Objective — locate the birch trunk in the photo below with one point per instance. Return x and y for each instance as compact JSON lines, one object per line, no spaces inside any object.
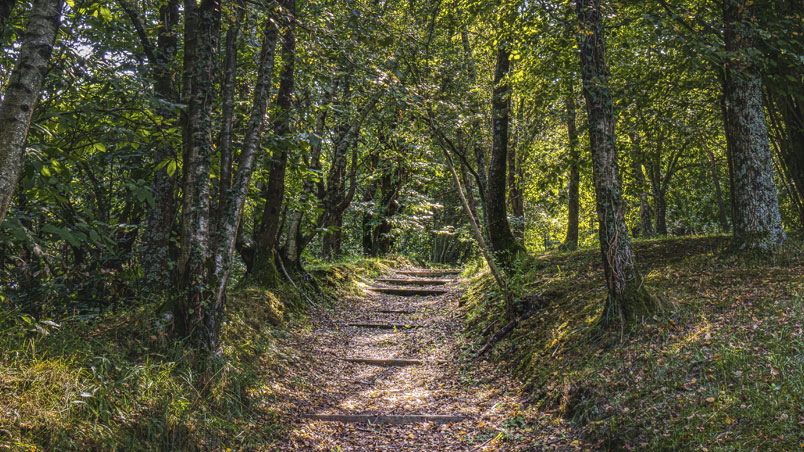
{"x":22,"y":93}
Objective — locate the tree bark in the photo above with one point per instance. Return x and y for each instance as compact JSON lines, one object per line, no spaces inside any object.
{"x":757,"y":221}
{"x":502,"y":241}
{"x":22,"y":93}
{"x":264,"y":268}
{"x":198,"y":311}
{"x":627,"y":297}
{"x":573,"y":210}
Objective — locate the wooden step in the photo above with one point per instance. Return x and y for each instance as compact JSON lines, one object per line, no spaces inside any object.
{"x":395,"y":311}
{"x":383,"y":326}
{"x":385,"y":362}
{"x":413,"y":282}
{"x":386,"y":419}
{"x":428,"y":273}
{"x":407,"y":291}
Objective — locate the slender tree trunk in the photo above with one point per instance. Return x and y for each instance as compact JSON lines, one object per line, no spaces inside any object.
{"x":571,"y":241}
{"x":721,"y":206}
{"x":488,"y":254}
{"x":198,"y":316}
{"x":266,"y":247}
{"x":515,"y":182}
{"x":660,"y":206}
{"x":336,"y":199}
{"x":627,"y":297}
{"x":227,"y":113}
{"x":295,"y":243}
{"x":474,"y":139}
{"x":502,"y":241}
{"x":23,"y":91}
{"x":645,"y":212}
{"x":757,"y":221}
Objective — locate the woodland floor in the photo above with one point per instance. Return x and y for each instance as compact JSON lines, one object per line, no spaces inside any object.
{"x":318,"y":381}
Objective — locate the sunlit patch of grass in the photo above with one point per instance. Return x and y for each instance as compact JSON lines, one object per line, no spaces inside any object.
{"x":723,"y":371}
{"x":345,"y":275}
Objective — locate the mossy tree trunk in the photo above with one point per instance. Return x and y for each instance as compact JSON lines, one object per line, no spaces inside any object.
{"x":627,"y":297}
{"x":756,"y":218}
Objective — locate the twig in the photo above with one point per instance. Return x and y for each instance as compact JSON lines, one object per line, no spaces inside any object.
{"x":506,"y":330}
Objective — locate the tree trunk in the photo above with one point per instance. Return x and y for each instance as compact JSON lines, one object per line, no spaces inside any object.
{"x":198,"y":310}
{"x":627,"y":297}
{"x":660,"y":206}
{"x":502,"y":241}
{"x":336,"y":199}
{"x":721,"y":206}
{"x":156,"y":255}
{"x":227,"y":112}
{"x":264,"y":268}
{"x":296,"y":242}
{"x":786,"y":115}
{"x":475,"y":141}
{"x":757,"y":221}
{"x":571,"y":241}
{"x":645,"y":212}
{"x":235,"y":196}
{"x":23,"y":91}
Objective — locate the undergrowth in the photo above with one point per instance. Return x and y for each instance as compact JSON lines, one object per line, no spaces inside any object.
{"x":723,"y":371}
{"x":119,"y":382}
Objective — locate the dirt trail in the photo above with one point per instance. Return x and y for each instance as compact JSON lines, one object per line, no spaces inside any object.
{"x":336,"y":384}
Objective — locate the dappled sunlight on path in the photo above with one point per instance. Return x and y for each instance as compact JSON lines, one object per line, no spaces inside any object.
{"x":439,"y":402}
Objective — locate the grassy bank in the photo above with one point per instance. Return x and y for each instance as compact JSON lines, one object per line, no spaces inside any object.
{"x":119,"y":382}
{"x":724,"y":370}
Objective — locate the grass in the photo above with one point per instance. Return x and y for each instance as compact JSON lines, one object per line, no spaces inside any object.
{"x":118,"y":382}
{"x":723,"y":371}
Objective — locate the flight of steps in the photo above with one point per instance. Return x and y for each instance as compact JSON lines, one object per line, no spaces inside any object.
{"x":403,"y":283}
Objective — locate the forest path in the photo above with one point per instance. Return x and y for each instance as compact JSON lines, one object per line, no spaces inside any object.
{"x":362,"y":389}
